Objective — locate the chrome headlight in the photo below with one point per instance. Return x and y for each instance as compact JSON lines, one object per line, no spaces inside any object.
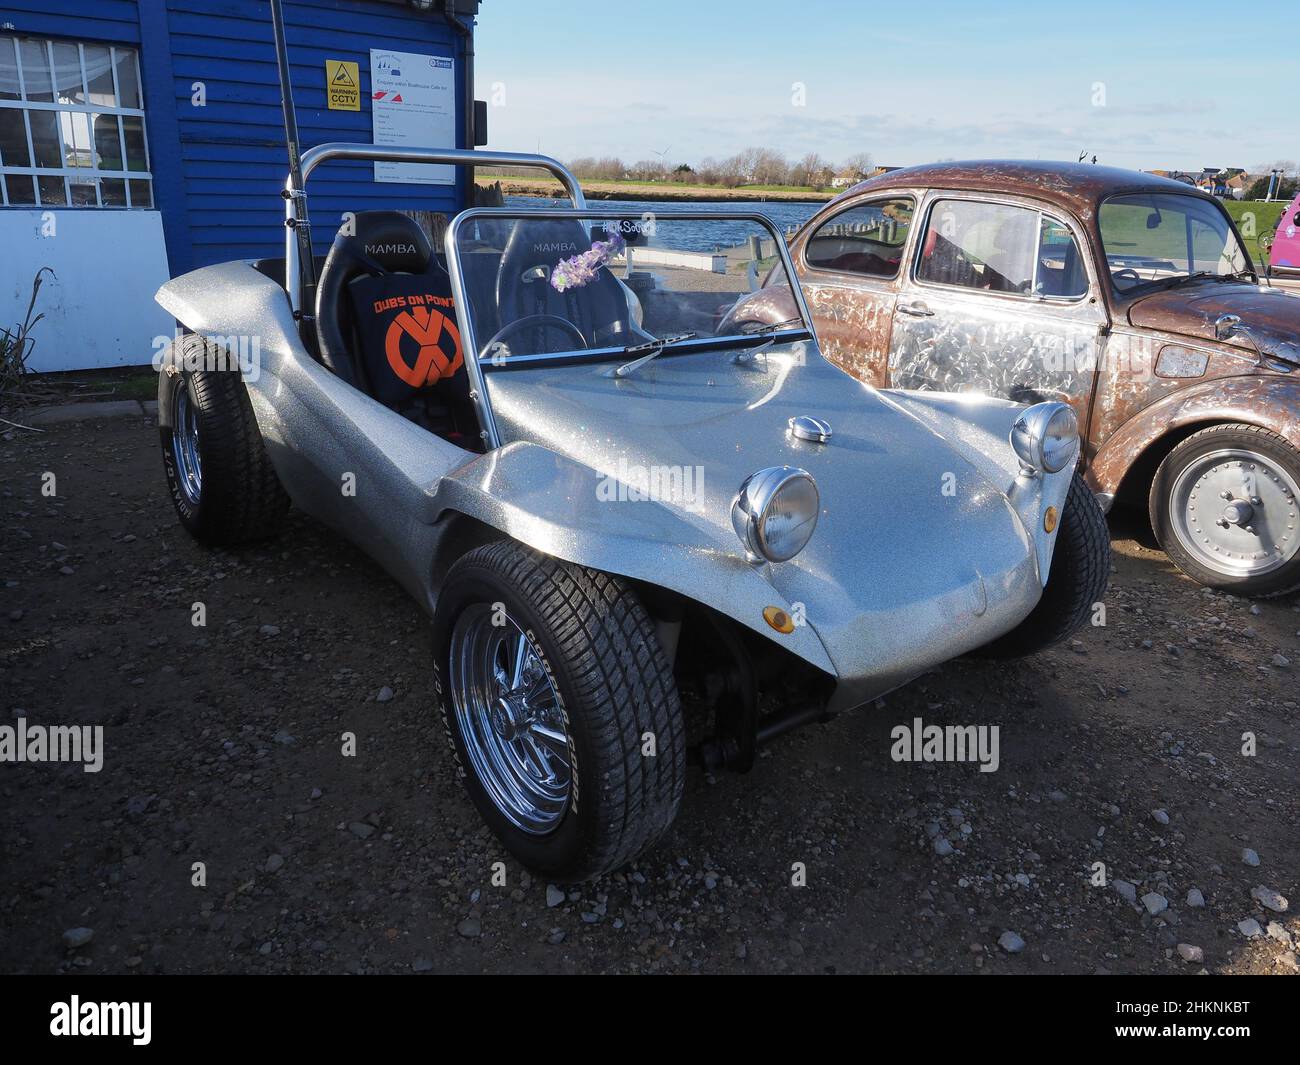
{"x":1046,"y":437}
{"x":775,"y":513}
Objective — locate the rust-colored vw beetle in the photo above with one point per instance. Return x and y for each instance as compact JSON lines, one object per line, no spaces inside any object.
{"x":1129,"y":296}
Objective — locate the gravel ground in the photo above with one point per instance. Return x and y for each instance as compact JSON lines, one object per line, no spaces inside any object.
{"x":222,"y":745}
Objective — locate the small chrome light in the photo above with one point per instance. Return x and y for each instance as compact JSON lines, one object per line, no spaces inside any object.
{"x":775,"y":513}
{"x":1046,"y":437}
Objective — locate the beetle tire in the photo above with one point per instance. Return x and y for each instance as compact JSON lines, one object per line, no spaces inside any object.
{"x":1077,"y":580}
{"x":1228,"y":436}
{"x":601,"y":653}
{"x":241,"y":498}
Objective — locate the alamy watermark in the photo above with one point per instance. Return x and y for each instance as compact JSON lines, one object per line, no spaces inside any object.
{"x":919,"y":742}
{"x":75,"y":1017}
{"x":242,"y":353}
{"x":680,"y":485}
{"x":53,"y":743}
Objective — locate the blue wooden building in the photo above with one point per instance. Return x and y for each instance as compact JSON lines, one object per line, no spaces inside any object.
{"x":142,"y":138}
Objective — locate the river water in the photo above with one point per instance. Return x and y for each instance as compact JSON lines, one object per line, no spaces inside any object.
{"x":785,"y":216}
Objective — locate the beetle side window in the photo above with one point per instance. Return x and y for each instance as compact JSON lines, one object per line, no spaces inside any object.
{"x":1000,"y":248}
{"x":867,"y":239}
{"x":980,"y":245}
{"x":1060,"y":266}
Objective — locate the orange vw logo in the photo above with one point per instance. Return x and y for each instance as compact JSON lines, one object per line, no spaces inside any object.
{"x":434,"y":334}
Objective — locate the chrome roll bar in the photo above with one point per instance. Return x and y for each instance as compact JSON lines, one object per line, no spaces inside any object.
{"x":295,"y":207}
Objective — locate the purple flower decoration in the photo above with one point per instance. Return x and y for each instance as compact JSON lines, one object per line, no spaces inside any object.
{"x":579,"y":270}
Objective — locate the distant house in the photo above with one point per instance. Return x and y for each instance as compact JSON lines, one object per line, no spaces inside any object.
{"x":1222,"y":181}
{"x":1217,"y":181}
{"x":851,"y":176}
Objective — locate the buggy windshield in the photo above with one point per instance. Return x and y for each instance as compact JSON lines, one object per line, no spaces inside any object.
{"x":543,"y":283}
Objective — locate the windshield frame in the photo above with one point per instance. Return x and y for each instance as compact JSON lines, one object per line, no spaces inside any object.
{"x":1146,"y":288}
{"x":469,"y":341}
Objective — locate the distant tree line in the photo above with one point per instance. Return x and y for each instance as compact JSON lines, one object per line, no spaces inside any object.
{"x":753,"y":166}
{"x":765,"y":166}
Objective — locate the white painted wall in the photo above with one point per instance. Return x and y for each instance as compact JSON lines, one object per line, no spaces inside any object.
{"x":99,"y":309}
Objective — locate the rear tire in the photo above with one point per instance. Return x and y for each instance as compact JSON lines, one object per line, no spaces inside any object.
{"x":218,"y":472}
{"x":591,"y":683}
{"x":1257,"y":553}
{"x":1077,"y":579}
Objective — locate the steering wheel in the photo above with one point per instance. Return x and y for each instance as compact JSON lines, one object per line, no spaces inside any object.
{"x":1127,"y":274}
{"x":535,"y":321}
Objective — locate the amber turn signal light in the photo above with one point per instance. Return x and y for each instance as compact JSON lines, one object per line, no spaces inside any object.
{"x":778,"y":619}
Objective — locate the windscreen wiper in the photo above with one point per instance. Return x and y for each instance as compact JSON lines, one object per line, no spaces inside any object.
{"x":1195,"y":275}
{"x":650,"y":349}
{"x":763,"y":329}
{"x":768,"y":332}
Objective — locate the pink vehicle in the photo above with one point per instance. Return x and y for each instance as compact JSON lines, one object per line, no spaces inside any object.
{"x":1284,"y":255}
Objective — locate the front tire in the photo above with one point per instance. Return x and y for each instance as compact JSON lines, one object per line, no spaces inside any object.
{"x":1076,"y":581}
{"x":552,"y":683}
{"x":220,"y":477}
{"x":1223,"y":506}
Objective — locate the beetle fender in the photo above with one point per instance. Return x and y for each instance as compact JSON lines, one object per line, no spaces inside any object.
{"x":1267,"y":400}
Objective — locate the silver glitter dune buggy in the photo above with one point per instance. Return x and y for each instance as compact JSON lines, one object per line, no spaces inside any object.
{"x":614,"y":495}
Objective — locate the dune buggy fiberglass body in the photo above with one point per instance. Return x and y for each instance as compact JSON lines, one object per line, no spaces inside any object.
{"x":613,"y":496}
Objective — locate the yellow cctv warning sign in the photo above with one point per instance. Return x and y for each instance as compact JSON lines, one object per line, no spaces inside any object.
{"x":342,"y":85}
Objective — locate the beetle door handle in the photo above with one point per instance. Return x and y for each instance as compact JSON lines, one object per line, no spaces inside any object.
{"x":916,"y":310}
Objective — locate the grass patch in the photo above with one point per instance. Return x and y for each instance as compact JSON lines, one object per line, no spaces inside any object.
{"x":785,"y":188}
{"x":137,"y":382}
{"x":1265,"y":219}
{"x":86,"y":386}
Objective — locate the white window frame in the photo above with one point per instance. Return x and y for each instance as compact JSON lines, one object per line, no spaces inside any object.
{"x":68,"y":173}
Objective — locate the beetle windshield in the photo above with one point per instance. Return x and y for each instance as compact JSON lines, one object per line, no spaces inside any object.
{"x":1163,"y":237}
{"x":551,"y":282}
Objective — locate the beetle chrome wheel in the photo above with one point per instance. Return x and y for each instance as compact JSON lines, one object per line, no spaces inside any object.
{"x":185,"y":445}
{"x":1234,"y":511}
{"x":510,"y":718}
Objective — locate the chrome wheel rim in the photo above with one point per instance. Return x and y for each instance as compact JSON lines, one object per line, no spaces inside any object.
{"x":510,"y":719}
{"x":1234,"y":511}
{"x":185,"y":444}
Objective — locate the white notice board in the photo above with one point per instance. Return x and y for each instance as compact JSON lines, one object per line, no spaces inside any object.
{"x":413,"y":103}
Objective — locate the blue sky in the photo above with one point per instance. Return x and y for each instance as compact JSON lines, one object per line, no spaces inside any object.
{"x":1141,"y":85}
